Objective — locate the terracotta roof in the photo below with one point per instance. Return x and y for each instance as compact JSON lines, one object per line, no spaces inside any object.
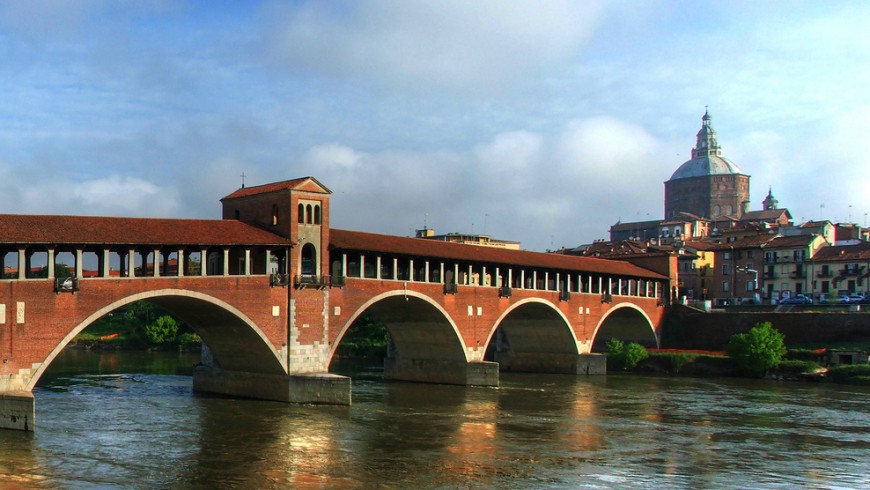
{"x":860,"y":251}
{"x":754,"y":241}
{"x":85,"y":230}
{"x":356,"y":240}
{"x":285,"y":185}
{"x":791,"y":241}
{"x":765,"y":215}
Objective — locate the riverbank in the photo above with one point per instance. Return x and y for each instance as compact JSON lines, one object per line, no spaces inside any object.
{"x":712,"y":364}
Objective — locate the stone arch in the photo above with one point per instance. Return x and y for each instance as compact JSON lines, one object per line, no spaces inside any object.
{"x":533,"y":335}
{"x":419,"y":327}
{"x":626,"y":322}
{"x":236,"y":341}
{"x":308,"y":264}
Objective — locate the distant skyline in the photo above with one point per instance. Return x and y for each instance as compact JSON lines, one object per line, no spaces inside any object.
{"x":543,"y":122}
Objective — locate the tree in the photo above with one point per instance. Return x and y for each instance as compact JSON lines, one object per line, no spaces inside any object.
{"x":757,"y":350}
{"x":622,"y":356}
{"x":162,"y":330}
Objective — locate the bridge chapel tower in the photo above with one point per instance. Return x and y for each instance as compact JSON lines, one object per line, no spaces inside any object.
{"x":297,"y":209}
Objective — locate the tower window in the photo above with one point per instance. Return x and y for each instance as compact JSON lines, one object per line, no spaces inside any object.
{"x":316,"y":214}
{"x":274,"y":214}
{"x":301,"y":214}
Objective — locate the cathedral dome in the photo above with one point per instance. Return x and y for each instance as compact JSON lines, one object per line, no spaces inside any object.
{"x":707,"y":156}
{"x":706,"y":165}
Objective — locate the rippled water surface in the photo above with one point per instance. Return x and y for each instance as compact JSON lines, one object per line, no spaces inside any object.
{"x":131,"y":420}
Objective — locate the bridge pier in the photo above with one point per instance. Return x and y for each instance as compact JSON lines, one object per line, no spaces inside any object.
{"x":17,"y":411}
{"x":320,"y":388}
{"x":441,"y":371}
{"x":552,"y":363}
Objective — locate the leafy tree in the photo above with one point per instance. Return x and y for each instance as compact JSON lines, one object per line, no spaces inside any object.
{"x":367,"y":337}
{"x":162,"y":330}
{"x":757,"y":350}
{"x":625,"y":356}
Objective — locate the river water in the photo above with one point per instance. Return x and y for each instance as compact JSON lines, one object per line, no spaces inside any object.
{"x":130,"y":420}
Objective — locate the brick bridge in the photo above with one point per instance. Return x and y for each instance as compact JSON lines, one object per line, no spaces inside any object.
{"x":271,"y":289}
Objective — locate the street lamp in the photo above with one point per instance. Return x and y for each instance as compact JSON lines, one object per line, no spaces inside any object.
{"x":754,"y":281}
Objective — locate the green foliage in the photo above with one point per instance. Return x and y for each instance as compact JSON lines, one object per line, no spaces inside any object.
{"x":677,"y":361}
{"x":162,"y":330}
{"x":796,"y":366}
{"x":622,"y":356}
{"x":851,"y":374}
{"x":367,"y":337}
{"x":757,"y":350}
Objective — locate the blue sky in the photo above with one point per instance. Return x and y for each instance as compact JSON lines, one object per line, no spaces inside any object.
{"x":542,"y":121}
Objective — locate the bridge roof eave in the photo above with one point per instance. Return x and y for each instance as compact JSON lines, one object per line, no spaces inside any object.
{"x":18,"y":229}
{"x":361,"y":241}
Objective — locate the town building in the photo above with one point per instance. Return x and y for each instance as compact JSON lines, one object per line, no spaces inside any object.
{"x":468,"y":239}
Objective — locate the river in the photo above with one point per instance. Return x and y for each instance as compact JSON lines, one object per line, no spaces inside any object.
{"x":130,"y":420}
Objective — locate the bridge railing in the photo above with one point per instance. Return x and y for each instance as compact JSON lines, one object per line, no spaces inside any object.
{"x":303,"y":281}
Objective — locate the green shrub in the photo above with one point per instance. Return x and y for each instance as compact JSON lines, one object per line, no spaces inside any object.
{"x":187,"y":338}
{"x":624,"y":356}
{"x":851,"y":373}
{"x":757,"y":350}
{"x":162,"y":330}
{"x":794,"y":366}
{"x":677,"y":361}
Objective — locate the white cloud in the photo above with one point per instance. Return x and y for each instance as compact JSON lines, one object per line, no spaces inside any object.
{"x":476,"y":45}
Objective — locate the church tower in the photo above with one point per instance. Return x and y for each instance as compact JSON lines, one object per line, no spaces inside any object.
{"x":708,"y":185}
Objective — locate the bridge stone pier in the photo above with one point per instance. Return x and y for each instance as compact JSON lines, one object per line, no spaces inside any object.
{"x":271,"y":289}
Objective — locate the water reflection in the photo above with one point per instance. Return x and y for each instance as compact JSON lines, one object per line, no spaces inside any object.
{"x":99,"y":425}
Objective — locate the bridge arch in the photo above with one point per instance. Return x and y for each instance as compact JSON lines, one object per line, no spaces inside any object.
{"x":533,"y":335}
{"x":419,"y":327}
{"x":626,"y":322}
{"x":236,"y":341}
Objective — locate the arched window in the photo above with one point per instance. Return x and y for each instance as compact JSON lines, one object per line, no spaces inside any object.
{"x":301,"y":217}
{"x":717,"y":210}
{"x":274,"y":214}
{"x":316,"y":214}
{"x":677,"y":231}
{"x":309,"y":260}
{"x":308,"y":214}
{"x":729,"y":210}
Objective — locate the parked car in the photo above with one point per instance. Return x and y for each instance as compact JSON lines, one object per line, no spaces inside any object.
{"x":799,"y":299}
{"x":843,"y":298}
{"x":856,"y":298}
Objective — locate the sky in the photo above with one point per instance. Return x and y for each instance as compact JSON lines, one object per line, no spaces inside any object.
{"x":543,"y":122}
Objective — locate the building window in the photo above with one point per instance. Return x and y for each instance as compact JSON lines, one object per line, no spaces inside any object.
{"x":749,"y":256}
{"x":725,"y":286}
{"x":316,"y":214}
{"x":726,"y":269}
{"x":726,"y":255}
{"x":750,"y":286}
{"x":301,"y":215}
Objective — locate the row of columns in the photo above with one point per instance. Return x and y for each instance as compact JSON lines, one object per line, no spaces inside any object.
{"x":129,"y":271}
{"x":654,"y":291}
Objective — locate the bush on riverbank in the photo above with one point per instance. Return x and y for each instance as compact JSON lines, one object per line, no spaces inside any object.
{"x":687,"y":364}
{"x":757,"y":350}
{"x":856,"y":374}
{"x":624,"y":357}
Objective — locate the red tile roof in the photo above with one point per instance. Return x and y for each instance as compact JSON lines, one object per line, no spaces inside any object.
{"x":84,"y":230}
{"x":285,"y":185}
{"x":859,"y":251}
{"x":357,"y":240}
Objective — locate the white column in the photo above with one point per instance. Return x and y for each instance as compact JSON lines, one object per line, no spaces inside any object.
{"x":79,"y":272}
{"x":395,"y":269}
{"x":50,"y":264}
{"x":442,"y":272}
{"x":226,"y":262}
{"x":247,"y":261}
{"x":470,"y":271}
{"x":157,"y":263}
{"x":522,"y":279}
{"x":22,"y":266}
{"x":510,"y":277}
{"x":411,"y":270}
{"x":203,"y":262}
{"x":362,"y":265}
{"x":497,"y":277}
{"x":535,"y":279}
{"x":378,"y":267}
{"x":344,"y":265}
{"x":426,"y":272}
{"x":106,"y":262}
{"x":131,"y":260}
{"x":483,"y":275}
